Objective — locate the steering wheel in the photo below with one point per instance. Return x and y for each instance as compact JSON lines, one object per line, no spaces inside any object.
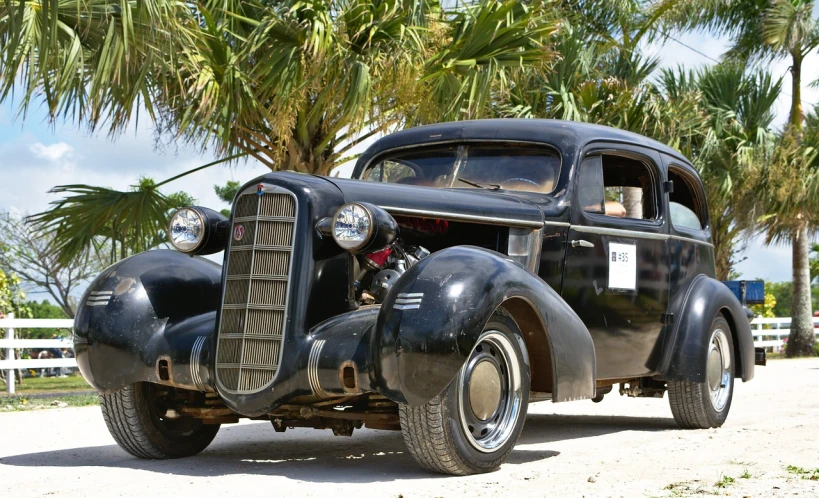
{"x":419,"y":172}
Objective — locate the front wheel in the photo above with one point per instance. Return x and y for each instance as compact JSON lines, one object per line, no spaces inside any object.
{"x":703,"y":405}
{"x":137,"y":423}
{"x":473,"y":425}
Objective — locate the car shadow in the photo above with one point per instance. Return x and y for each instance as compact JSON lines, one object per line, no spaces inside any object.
{"x":549,"y":428}
{"x":303,"y":454}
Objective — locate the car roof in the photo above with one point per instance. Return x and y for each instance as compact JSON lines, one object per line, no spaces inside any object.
{"x":564,"y":135}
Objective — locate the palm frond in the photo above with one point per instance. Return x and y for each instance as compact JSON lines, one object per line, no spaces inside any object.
{"x":133,"y":220}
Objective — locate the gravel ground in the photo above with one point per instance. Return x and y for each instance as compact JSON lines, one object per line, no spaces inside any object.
{"x":620,"y":447}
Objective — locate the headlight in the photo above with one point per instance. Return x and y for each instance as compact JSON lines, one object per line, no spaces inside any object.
{"x":187,"y":230}
{"x":359,"y":227}
{"x":352,"y":226}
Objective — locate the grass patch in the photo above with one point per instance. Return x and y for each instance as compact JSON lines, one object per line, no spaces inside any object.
{"x":807,"y":474}
{"x":684,"y":488}
{"x":781,"y":356}
{"x":21,"y":403}
{"x":34,"y":385}
{"x":745,"y":475}
{"x":725,"y":481}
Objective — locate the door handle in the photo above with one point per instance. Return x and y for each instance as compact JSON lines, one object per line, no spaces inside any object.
{"x":582,"y":243}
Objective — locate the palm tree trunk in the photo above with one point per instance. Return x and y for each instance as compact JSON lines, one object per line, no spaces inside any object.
{"x":796,"y":93}
{"x":802,"y":336}
{"x":633,"y":202}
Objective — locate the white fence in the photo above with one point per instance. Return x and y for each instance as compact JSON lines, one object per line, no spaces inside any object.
{"x":770,"y":332}
{"x":10,"y":344}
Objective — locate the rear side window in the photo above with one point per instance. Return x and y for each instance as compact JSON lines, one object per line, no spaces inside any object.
{"x":687,"y":208}
{"x":618,"y":186}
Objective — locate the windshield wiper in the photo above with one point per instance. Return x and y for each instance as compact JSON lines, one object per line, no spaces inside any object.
{"x":478,"y":185}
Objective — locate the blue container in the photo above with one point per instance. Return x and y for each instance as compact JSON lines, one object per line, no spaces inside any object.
{"x":754,"y":290}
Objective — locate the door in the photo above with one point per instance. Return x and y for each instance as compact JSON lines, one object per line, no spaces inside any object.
{"x":616,"y":271}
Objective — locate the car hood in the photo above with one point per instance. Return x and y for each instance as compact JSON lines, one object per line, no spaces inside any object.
{"x":478,"y":205}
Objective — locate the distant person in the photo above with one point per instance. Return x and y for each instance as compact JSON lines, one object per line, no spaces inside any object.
{"x":55,"y":353}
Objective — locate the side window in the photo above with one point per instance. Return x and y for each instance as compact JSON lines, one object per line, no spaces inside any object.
{"x":687,"y":210}
{"x":590,"y":185}
{"x":627,"y":189}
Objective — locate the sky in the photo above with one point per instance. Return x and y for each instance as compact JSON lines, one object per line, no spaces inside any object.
{"x":35,"y":155}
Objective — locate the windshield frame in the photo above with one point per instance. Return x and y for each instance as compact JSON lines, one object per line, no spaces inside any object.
{"x":461,"y":155}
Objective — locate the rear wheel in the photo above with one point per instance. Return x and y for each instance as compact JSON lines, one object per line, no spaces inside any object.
{"x":475,"y":423}
{"x":138,"y":424}
{"x":703,"y":405}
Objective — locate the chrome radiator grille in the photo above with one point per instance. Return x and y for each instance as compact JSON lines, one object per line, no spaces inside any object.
{"x":255,"y":294}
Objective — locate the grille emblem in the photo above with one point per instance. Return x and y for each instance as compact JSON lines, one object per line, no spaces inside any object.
{"x":238,"y":232}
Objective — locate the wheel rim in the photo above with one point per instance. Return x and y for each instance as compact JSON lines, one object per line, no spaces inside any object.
{"x":719,"y":370}
{"x":490,"y":392}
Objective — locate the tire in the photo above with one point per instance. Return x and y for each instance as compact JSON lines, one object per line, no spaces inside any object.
{"x":437,"y":434}
{"x":134,"y":423}
{"x":698,"y":405}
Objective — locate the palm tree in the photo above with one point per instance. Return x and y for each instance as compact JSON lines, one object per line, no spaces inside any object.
{"x":294,"y":84}
{"x":739,"y":110}
{"x":763,"y":30}
{"x":788,"y":190}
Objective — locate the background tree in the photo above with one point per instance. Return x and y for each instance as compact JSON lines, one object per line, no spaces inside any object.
{"x":12,"y":296}
{"x":786,"y":193}
{"x":762,"y":30}
{"x":294,"y":84}
{"x":30,"y":255}
{"x":226,"y":193}
{"x":43,"y":309}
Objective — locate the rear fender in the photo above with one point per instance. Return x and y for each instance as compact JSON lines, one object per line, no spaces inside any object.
{"x":432,"y":317}
{"x":149,"y":318}
{"x":697,"y":306}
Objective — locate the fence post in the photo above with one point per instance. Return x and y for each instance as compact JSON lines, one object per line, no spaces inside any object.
{"x":10,"y":377}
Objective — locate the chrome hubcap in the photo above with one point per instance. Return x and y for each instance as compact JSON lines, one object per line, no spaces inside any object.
{"x":719,"y":370}
{"x":485,"y":390}
{"x":490,"y":392}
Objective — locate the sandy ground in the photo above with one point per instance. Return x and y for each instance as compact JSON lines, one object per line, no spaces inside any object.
{"x":620,"y":447}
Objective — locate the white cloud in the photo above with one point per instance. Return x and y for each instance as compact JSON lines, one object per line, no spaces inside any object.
{"x":53,"y":152}
{"x":35,"y":168}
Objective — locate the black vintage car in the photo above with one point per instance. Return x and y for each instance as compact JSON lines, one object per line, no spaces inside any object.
{"x":467,"y":270}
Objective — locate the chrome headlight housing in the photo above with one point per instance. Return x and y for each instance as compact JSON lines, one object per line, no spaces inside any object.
{"x":198,"y":230}
{"x":360,"y":226}
{"x":186,"y":230}
{"x":352,"y":226}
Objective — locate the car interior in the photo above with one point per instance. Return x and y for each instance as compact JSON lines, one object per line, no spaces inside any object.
{"x":617,"y":186}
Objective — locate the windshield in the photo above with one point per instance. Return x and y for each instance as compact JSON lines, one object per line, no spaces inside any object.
{"x":508,"y":166}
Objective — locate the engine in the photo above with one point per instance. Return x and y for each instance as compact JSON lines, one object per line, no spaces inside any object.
{"x":380,"y":270}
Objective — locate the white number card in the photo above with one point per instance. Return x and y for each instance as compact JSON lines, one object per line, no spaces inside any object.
{"x":622,"y":266}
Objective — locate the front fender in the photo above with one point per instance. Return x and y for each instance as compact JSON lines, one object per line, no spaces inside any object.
{"x":156,"y":306}
{"x":696,"y":307}
{"x":433,"y":315}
